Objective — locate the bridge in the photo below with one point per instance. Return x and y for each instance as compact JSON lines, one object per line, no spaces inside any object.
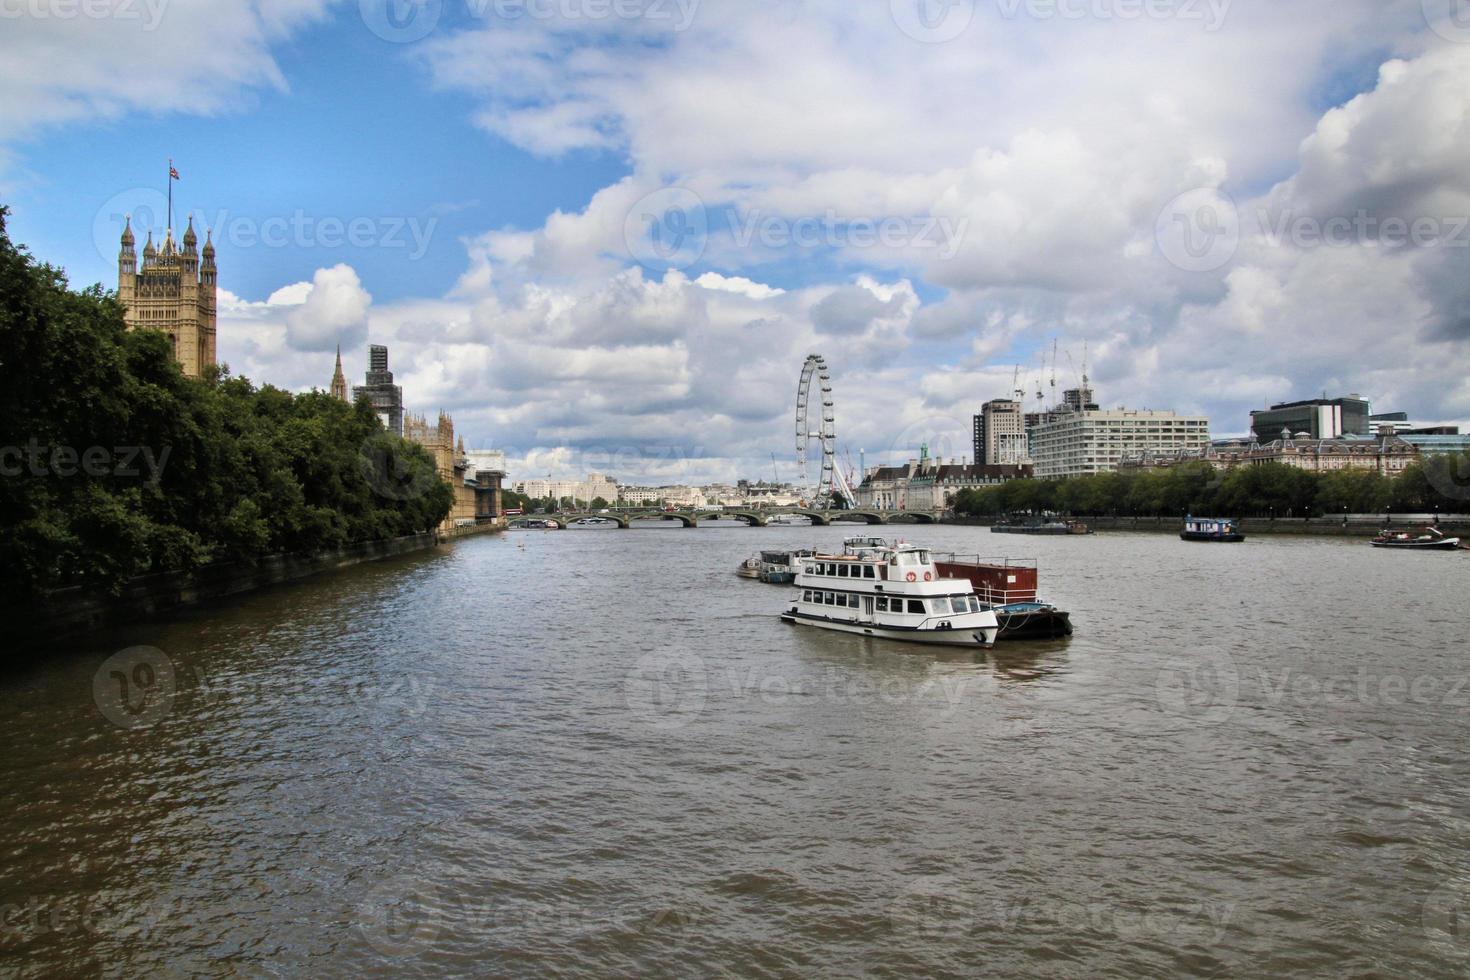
{"x":691,"y":517}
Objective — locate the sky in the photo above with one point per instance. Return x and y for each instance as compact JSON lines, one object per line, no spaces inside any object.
{"x":604,"y":235}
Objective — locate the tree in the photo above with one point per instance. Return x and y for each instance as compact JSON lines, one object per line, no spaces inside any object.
{"x":600,"y":503}
{"x":133,"y":468}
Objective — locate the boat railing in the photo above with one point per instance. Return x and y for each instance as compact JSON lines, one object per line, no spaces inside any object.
{"x":957,"y":559}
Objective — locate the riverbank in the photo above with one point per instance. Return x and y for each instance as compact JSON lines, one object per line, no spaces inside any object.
{"x":1353,"y":527}
{"x":73,"y":611}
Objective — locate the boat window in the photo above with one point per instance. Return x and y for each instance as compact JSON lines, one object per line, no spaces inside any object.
{"x":868,"y":572}
{"x":832,"y":568}
{"x":974,"y":604}
{"x":806,"y":596}
{"x":882,"y":603}
{"x":916,"y":606}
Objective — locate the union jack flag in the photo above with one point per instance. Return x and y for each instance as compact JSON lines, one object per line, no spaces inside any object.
{"x":173,"y":174}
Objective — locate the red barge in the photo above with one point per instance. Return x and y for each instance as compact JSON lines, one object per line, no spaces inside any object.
{"x":1008,"y":586}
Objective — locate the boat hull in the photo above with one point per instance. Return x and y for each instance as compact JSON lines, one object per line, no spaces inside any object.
{"x":975,"y":637}
{"x":1217,"y":538}
{"x":1448,"y":544}
{"x":1043,"y":623}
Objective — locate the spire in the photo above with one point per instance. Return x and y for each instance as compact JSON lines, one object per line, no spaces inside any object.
{"x":209,"y":249}
{"x":339,"y":380}
{"x":149,"y":251}
{"x":127,"y":235}
{"x":190,"y":239}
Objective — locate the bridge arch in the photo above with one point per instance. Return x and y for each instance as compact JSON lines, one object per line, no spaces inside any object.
{"x":750,"y":518}
{"x":912,"y":517}
{"x":687,"y":518}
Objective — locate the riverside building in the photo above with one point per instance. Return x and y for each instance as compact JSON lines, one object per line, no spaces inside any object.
{"x":1091,"y":441}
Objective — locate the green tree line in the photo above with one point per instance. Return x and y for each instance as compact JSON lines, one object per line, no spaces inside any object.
{"x":114,"y":464}
{"x":1435,"y":484}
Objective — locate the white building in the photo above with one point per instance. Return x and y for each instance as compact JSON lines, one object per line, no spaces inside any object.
{"x":1000,"y":434}
{"x":582,"y":491}
{"x":1067,"y":444}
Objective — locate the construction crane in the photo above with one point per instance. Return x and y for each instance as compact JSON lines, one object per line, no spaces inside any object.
{"x":1016,"y":388}
{"x":775,"y":473}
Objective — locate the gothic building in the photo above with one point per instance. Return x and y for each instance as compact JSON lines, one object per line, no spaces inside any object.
{"x":173,"y":292}
{"x":339,"y":380}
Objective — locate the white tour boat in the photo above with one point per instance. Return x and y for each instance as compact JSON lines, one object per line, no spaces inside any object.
{"x":889,"y":591}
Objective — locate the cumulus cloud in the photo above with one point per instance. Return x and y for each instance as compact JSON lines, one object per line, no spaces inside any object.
{"x":333,"y":312}
{"x":1023,"y":170}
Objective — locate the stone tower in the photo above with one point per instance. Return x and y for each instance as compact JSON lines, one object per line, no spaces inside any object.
{"x":173,"y":292}
{"x":339,"y":380}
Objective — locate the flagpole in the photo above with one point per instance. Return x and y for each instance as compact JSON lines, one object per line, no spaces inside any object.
{"x":170,"y":177}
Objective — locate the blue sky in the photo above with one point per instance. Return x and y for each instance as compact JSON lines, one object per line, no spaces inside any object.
{"x":1041,"y":177}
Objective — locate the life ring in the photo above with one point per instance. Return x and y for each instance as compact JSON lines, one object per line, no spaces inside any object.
{"x":928,"y":576}
{"x":913,"y":577}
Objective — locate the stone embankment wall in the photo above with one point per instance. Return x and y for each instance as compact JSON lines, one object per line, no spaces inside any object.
{"x":69,"y":611}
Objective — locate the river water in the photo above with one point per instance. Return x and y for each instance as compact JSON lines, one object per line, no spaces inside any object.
{"x":599,"y":752}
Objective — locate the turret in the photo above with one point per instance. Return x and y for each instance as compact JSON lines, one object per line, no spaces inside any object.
{"x":127,"y":257}
{"x":127,"y":262}
{"x":339,"y":380}
{"x":191,"y":250}
{"x":206,"y":268}
{"x":149,"y":251}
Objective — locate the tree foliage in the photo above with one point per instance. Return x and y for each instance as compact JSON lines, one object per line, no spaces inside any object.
{"x":1436,"y":484}
{"x":114,"y":464}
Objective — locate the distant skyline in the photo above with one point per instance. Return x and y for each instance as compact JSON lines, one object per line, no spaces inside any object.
{"x":610,"y":232}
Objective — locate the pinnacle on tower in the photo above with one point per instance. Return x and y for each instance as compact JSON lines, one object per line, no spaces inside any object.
{"x":190,"y":239}
{"x":209,"y":252}
{"x":339,"y":380}
{"x":127,"y":234}
{"x":149,"y":251}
